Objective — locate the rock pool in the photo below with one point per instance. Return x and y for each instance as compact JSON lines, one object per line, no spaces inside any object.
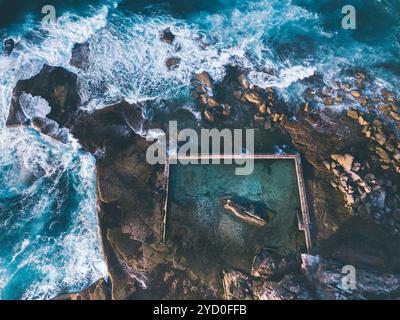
{"x":209,"y":237}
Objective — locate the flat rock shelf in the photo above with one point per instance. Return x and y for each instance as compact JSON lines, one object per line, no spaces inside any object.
{"x":210,"y":238}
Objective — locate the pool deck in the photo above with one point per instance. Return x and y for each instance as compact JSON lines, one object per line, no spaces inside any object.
{"x":304,"y":221}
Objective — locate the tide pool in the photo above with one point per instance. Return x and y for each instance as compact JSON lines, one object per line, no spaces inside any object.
{"x":209,"y":237}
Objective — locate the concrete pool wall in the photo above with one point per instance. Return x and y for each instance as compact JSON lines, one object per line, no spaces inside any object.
{"x":304,"y":222}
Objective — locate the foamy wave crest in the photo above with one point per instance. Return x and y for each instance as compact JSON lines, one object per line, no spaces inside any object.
{"x":128,"y":59}
{"x":51,"y":44}
{"x":48,"y":221}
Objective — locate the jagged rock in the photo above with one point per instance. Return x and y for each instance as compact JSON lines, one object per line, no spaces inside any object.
{"x":212,"y":102}
{"x":172,"y":63}
{"x":331,"y":283}
{"x":339,"y":99}
{"x":268,"y":265}
{"x":203,"y":99}
{"x":50,"y":128}
{"x":226,"y":110}
{"x":110,"y":127}
{"x":167,"y":36}
{"x":291,"y":287}
{"x":109,"y":187}
{"x":57,"y":86}
{"x":265,"y":265}
{"x":130,"y":202}
{"x":354,"y":176}
{"x":353,"y":114}
{"x":362,"y":121}
{"x":383,"y":155}
{"x":325,"y":135}
{"x":204,"y":78}
{"x":237,"y":286}
{"x":244,"y":82}
{"x":363,"y":101}
{"x":327,"y":164}
{"x":262,"y":109}
{"x":346,"y":161}
{"x":97,"y":291}
{"x":328,"y":101}
{"x":138,"y":255}
{"x":307,"y":107}
{"x":8,"y":46}
{"x":395,"y":116}
{"x":209,"y":116}
{"x":380,"y":138}
{"x":80,"y":55}
{"x":253,"y":97}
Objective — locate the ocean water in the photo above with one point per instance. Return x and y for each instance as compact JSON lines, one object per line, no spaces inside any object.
{"x":48,"y":223}
{"x":280,"y":42}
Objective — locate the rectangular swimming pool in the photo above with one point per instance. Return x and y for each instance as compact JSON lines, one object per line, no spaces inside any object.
{"x":209,"y":237}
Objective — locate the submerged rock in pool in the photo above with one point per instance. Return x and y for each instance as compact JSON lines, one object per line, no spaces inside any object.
{"x":247,"y":214}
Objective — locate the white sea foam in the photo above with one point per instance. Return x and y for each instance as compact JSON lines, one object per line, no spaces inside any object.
{"x":33,"y":167}
{"x":127,"y":57}
{"x":34,"y":106}
{"x":58,"y":261}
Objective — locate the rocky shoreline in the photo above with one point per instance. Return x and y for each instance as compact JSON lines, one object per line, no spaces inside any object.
{"x":351,"y":164}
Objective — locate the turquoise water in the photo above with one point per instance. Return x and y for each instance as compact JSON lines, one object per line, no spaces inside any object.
{"x":48,"y":221}
{"x":281,"y":42}
{"x":209,"y":237}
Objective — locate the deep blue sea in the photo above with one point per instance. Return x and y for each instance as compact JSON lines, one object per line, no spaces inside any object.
{"x":49,"y":242}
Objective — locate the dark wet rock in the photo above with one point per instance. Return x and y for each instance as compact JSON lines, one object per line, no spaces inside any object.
{"x":172,"y":63}
{"x":178,"y":284}
{"x":80,"y":55}
{"x":291,"y":287}
{"x":50,"y":128}
{"x":318,"y":136}
{"x":97,"y":291}
{"x":204,"y":78}
{"x":209,"y":116}
{"x":8,"y":46}
{"x":57,"y":86}
{"x":269,"y":265}
{"x":329,"y":282}
{"x":237,"y":286}
{"x":167,"y":36}
{"x":16,"y":115}
{"x":362,"y":243}
{"x":111,"y":127}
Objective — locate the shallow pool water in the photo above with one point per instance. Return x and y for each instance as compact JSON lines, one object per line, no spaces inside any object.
{"x":212,"y":239}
